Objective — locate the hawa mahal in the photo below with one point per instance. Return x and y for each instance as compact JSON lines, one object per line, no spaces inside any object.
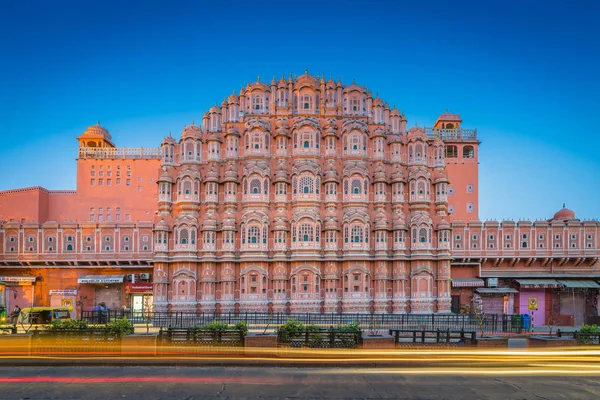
{"x":298,"y":195}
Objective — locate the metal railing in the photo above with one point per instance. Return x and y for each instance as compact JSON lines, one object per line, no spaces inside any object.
{"x":323,"y":338}
{"x":258,"y":322}
{"x":438,"y":336}
{"x":201,"y":337}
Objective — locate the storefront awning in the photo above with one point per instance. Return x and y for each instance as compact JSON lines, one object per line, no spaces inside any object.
{"x":580,"y":284}
{"x":18,"y":278}
{"x":467,"y":282}
{"x":539,"y":283}
{"x":101,"y":279}
{"x":501,"y":290}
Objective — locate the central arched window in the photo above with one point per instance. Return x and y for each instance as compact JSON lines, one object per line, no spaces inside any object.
{"x":306,"y":233}
{"x":356,"y":186}
{"x":357,"y":234}
{"x":183,"y":236}
{"x":255,"y":186}
{"x":306,"y":184}
{"x":253,"y":234}
{"x":257,"y":102}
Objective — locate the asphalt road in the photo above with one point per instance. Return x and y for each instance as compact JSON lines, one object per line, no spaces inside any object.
{"x":292,"y":383}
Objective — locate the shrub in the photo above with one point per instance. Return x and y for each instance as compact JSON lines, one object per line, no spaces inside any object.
{"x":68,"y":325}
{"x":119,"y":327}
{"x":242,"y":326}
{"x":353,"y":327}
{"x":588,"y":332}
{"x":289,"y":327}
{"x":214,"y":326}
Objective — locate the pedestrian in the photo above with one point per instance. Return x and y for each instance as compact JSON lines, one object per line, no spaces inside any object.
{"x":103,"y":313}
{"x":15,"y":314}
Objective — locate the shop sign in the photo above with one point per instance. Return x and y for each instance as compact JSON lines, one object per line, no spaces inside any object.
{"x":101,"y":279}
{"x":20,"y":279}
{"x":138,"y":288}
{"x":532,"y":303}
{"x":66,"y":292}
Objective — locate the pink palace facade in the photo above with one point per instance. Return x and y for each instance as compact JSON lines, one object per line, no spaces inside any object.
{"x":302,"y":195}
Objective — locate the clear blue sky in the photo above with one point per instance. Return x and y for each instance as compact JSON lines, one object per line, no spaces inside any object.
{"x":523,"y":72}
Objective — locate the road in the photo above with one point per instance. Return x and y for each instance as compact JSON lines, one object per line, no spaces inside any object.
{"x":535,"y":382}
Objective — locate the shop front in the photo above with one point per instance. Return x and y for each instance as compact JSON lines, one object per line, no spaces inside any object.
{"x":497,"y":300}
{"x":107,"y":289}
{"x":533,"y":296}
{"x":64,"y":298}
{"x":139,"y":296}
{"x":462,"y":294}
{"x":19,"y":290}
{"x":579,"y":298}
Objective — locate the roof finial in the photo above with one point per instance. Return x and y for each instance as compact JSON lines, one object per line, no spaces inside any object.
{"x":98,"y":123}
{"x":306,"y":71}
{"x":564,"y":205}
{"x":259,"y":78}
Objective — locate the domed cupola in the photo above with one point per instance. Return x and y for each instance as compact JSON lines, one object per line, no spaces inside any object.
{"x":95,"y":136}
{"x":212,"y":175}
{"x":398,"y":176}
{"x":442,"y":224}
{"x":379,"y":175}
{"x":165,"y":177}
{"x":439,"y":176}
{"x":162,"y":225}
{"x":191,"y":131}
{"x":381,"y":220}
{"x":331,"y":174}
{"x":564,"y":214}
{"x":231,"y":174}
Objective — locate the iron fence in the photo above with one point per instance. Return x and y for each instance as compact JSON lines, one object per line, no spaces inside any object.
{"x":80,"y":341}
{"x":439,"y":336}
{"x":259,"y":322}
{"x":199,"y":337}
{"x":319,"y":338}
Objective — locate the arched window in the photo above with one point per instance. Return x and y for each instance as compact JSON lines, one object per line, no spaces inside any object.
{"x":255,"y":186}
{"x":468,"y":152}
{"x":253,"y":234}
{"x":183,"y":236}
{"x":422,"y":235}
{"x":306,"y":184}
{"x":357,"y":234}
{"x":356,"y":186}
{"x":257,"y":102}
{"x":306,"y":233}
{"x":69,"y":247}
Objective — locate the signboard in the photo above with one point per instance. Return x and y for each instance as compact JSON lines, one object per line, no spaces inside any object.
{"x":139,"y":287}
{"x":101,"y":279}
{"x":20,"y":279}
{"x":66,"y":292}
{"x":68,"y":303}
{"x":492,"y":282}
{"x":532,"y":303}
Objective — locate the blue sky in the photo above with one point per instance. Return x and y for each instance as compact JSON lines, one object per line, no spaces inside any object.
{"x":523,"y":72}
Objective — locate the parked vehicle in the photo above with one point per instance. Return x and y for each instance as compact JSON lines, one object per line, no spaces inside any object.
{"x":43,"y":315}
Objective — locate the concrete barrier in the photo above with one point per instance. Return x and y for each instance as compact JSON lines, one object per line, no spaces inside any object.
{"x":139,"y":344}
{"x":383,"y":341}
{"x":15,"y":345}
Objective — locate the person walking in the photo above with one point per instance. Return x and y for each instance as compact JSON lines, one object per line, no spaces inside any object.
{"x":103,"y":313}
{"x":14,"y":316}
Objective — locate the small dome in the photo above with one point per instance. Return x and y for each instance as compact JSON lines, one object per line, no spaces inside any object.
{"x":563,"y":214}
{"x":212,"y":175}
{"x":169,"y":139}
{"x":97,"y":132}
{"x":443,"y":225}
{"x":191,"y":131}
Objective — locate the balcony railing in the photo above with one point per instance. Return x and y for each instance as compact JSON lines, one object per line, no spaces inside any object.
{"x":452,"y":134}
{"x":122,"y":152}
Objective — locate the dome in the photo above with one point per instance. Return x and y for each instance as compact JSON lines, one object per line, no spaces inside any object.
{"x":169,"y":139}
{"x":191,"y":131}
{"x":563,"y":214}
{"x":97,"y":132}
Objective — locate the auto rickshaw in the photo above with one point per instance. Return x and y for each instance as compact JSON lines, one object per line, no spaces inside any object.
{"x":43,"y":315}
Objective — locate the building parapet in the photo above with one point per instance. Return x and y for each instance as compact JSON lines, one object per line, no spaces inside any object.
{"x":452,"y":134}
{"x":120,"y":152}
